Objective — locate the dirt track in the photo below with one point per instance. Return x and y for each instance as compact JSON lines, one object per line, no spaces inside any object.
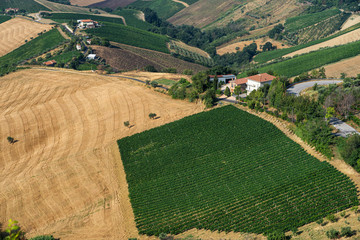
{"x":14,"y":32}
{"x":64,"y":176}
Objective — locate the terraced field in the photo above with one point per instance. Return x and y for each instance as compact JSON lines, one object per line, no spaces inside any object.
{"x":14,"y":32}
{"x":64,"y":175}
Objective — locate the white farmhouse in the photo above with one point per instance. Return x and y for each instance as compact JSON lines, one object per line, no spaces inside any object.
{"x":87,"y":23}
{"x":91,"y":57}
{"x":257,"y":81}
{"x":78,"y":47}
{"x":223,"y":78}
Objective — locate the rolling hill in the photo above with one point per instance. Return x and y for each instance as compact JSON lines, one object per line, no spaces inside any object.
{"x":28,"y":5}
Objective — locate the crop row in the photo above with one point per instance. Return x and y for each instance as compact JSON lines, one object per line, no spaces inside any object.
{"x":198,"y":58}
{"x":227,"y":170}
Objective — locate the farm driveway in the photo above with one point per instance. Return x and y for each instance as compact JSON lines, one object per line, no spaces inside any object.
{"x":344,"y":129}
{"x":297,"y":88}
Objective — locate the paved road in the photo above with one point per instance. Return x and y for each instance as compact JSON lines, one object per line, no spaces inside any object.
{"x":297,"y":88}
{"x":344,"y":129}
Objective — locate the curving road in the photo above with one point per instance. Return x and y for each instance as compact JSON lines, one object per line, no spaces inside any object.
{"x":297,"y":88}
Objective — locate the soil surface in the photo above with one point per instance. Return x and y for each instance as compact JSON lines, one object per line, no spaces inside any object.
{"x":14,"y":32}
{"x":64,"y":174}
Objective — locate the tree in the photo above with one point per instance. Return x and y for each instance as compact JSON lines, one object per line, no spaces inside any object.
{"x":346,"y":232}
{"x":268,"y":47}
{"x":227,"y":92}
{"x":10,"y":140}
{"x":13,"y":230}
{"x":215,"y":82}
{"x":237,"y":90}
{"x":127,"y":124}
{"x":333,"y":234}
{"x":152,"y":115}
{"x":322,"y":72}
{"x":330,"y":112}
{"x":154,"y":84}
{"x":344,"y":103}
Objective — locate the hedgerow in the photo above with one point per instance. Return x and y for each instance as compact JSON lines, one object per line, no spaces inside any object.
{"x":227,"y":170}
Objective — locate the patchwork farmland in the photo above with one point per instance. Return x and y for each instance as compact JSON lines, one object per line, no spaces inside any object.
{"x":15,"y":32}
{"x":62,"y":178}
{"x":197,"y":173}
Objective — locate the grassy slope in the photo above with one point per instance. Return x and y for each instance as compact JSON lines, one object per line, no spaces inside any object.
{"x":4,"y":18}
{"x":267,"y":56}
{"x":197,"y":173}
{"x":132,"y":36}
{"x":28,"y":5}
{"x":66,"y":57}
{"x":164,"y":8}
{"x":33,"y":48}
{"x":307,"y":62}
{"x":131,"y":18}
{"x":303,"y":21}
{"x":74,"y":16}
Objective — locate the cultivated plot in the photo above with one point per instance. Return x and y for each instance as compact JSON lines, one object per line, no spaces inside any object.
{"x":64,"y":175}
{"x":15,"y":32}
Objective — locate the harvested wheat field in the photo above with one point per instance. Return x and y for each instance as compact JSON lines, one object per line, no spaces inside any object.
{"x":64,"y":175}
{"x":352,"y":20}
{"x":352,"y":36}
{"x":84,"y":2}
{"x":349,"y":66}
{"x":259,"y":42}
{"x":14,"y":32}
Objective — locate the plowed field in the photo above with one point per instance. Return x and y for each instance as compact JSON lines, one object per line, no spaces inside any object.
{"x":14,"y":32}
{"x":64,"y":176}
{"x":85,"y":2}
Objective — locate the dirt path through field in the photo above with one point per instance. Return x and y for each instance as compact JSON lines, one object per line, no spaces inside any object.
{"x":352,"y":36}
{"x":183,"y":3}
{"x":15,"y":32}
{"x":64,"y":176}
{"x":62,"y":33}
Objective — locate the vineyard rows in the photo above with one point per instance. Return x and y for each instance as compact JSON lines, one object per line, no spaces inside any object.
{"x":186,"y":53}
{"x":227,"y":170}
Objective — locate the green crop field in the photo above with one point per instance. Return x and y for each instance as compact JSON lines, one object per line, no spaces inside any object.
{"x":65,"y":57}
{"x":270,"y":55}
{"x":227,"y":170}
{"x":164,"y":8}
{"x":131,"y":36}
{"x":307,"y":62}
{"x":28,"y":5}
{"x":4,"y":18}
{"x":35,"y":47}
{"x":302,"y":21}
{"x":131,"y":18}
{"x":76,"y":16}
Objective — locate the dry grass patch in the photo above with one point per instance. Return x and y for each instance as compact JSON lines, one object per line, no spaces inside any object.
{"x":64,"y":176}
{"x":349,"y":66}
{"x":231,"y":48}
{"x":14,"y":32}
{"x":352,"y":20}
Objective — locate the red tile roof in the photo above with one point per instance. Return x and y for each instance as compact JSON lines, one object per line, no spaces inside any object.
{"x":51,"y":62}
{"x":263,"y":77}
{"x":241,"y":81}
{"x":87,"y":20}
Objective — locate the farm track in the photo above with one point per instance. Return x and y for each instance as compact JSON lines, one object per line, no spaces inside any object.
{"x":14,"y":32}
{"x":284,"y":127}
{"x":65,"y":175}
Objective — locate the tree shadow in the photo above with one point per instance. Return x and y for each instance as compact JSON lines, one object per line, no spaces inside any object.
{"x":156,"y":117}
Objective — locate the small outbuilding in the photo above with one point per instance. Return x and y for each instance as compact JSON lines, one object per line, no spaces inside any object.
{"x":50,"y":63}
{"x":223,"y":78}
{"x":91,"y":57}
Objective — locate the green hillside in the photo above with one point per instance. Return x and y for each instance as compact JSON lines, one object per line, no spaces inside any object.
{"x":227,"y":170}
{"x":164,"y":8}
{"x":35,"y":47}
{"x":131,"y":18}
{"x":270,"y":55}
{"x":307,"y":62}
{"x":77,"y":16}
{"x":28,"y":5}
{"x":131,"y":36}
{"x":4,"y":18}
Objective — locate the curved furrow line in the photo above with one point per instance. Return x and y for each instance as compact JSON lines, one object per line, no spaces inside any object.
{"x":41,"y":135}
{"x":16,"y":96}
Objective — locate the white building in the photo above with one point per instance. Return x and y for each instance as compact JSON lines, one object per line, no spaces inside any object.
{"x":87,"y":23}
{"x":257,"y":81}
{"x":78,"y":47}
{"x":91,"y":57}
{"x":223,"y":78}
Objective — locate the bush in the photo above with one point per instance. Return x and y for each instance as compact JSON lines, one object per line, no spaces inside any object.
{"x":188,"y":72}
{"x":276,"y":236}
{"x":150,"y":68}
{"x":346,"y":232}
{"x":333,"y":234}
{"x":45,"y":237}
{"x":332,"y":218}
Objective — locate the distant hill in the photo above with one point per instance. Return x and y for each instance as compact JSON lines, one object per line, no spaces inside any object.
{"x":113,"y":4}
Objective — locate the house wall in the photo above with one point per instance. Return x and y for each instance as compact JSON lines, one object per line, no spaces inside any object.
{"x":253,"y":85}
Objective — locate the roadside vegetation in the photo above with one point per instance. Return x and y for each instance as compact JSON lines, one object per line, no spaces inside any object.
{"x":238,"y":191}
